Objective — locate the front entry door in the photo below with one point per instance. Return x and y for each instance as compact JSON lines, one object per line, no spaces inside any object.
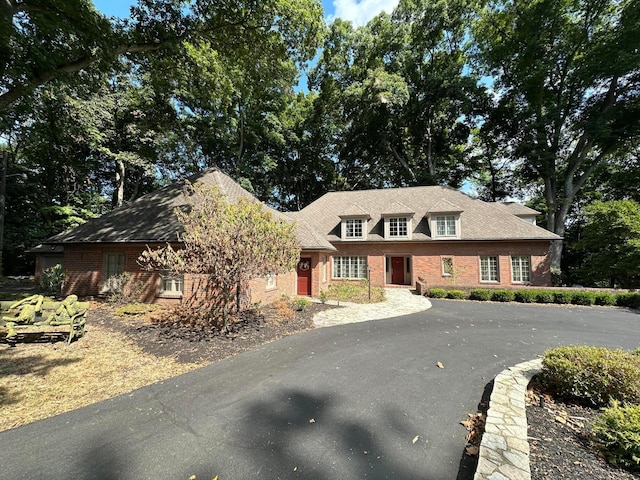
{"x":397,"y":270}
{"x":304,"y":276}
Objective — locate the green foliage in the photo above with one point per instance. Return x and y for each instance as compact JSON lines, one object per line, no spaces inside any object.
{"x":133,"y":309}
{"x":545,"y":296}
{"x":52,"y":280}
{"x":583,"y":298}
{"x":482,"y":294}
{"x":300,"y":304}
{"x":228,"y":243}
{"x":502,"y":295}
{"x":122,"y":288}
{"x":617,"y":430}
{"x":324,"y":296}
{"x":526,"y":296}
{"x":630,"y":300}
{"x":437,"y":293}
{"x":593,"y":375}
{"x":605,"y":299}
{"x":355,"y":292}
{"x":562,"y":297}
{"x":456,"y":294}
{"x":610,"y":244}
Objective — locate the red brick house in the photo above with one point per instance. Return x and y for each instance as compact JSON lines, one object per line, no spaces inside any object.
{"x":395,"y":236}
{"x":437,"y":235}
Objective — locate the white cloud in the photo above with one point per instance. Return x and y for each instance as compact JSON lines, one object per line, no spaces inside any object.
{"x":359,"y":12}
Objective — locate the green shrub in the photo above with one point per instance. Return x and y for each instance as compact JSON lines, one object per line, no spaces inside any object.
{"x":525,"y":296}
{"x":562,"y":298}
{"x":503,"y":296}
{"x":300,"y":304}
{"x":437,"y":292}
{"x":605,"y":299}
{"x":617,"y":429}
{"x":482,"y":294}
{"x":592,"y":375}
{"x":324,"y":296}
{"x":544,"y":296}
{"x":456,"y":294}
{"x":583,"y":298}
{"x":631,"y":300}
{"x":52,"y":280}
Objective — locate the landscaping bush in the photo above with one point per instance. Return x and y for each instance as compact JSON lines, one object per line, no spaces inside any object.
{"x":525,"y":296}
{"x":52,"y":280}
{"x":563,"y":298}
{"x":456,"y":294}
{"x":617,"y":429}
{"x":592,"y":375}
{"x":503,"y":296}
{"x":300,"y":304}
{"x":605,"y":299}
{"x":544,"y":296}
{"x":482,"y":294}
{"x":631,"y":300}
{"x":583,"y":298}
{"x":437,"y":293}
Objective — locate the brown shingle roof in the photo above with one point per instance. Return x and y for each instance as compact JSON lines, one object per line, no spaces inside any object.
{"x":151,"y":218}
{"x":479,"y":220}
{"x":515,"y":208}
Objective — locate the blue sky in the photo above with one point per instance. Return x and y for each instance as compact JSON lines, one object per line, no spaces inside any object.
{"x":357,"y":11}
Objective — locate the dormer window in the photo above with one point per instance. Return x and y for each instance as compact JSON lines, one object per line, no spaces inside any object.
{"x":397,"y":227}
{"x":353,"y":228}
{"x":445,"y":226}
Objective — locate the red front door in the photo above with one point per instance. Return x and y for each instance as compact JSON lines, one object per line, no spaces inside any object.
{"x":304,"y":276}
{"x":397,"y":270}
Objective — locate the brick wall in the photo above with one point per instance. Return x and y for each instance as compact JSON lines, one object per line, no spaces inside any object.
{"x":426,"y":260}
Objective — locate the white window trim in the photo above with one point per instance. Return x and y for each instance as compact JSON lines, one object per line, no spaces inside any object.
{"x":362,"y":268}
{"x":444,"y":271}
{"x":344,"y":222}
{"x":520,"y":257}
{"x":433,"y":225}
{"x":175,"y":281}
{"x":497,"y":279}
{"x":271,"y":281}
{"x":387,"y":227}
{"x":324,"y":269}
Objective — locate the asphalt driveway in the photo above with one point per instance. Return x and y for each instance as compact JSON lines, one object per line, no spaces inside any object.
{"x":344,"y":402}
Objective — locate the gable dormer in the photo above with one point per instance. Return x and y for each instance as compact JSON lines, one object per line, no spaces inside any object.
{"x":354,"y":223}
{"x":398,"y":222}
{"x":444,"y":220}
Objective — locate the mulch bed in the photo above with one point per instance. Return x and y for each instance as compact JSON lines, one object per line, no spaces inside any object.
{"x":189,"y":345}
{"x":560,"y":442}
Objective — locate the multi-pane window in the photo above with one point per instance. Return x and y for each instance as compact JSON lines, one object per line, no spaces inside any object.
{"x":349,"y":267}
{"x":113,"y":265}
{"x":447,"y":266}
{"x":271,"y":281}
{"x":398,"y":227}
{"x":353,"y":228}
{"x":489,"y":269}
{"x":446,"y":226}
{"x":171,"y":283}
{"x":521,"y":269}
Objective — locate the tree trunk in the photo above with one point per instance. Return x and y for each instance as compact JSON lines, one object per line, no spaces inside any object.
{"x":118,"y":192}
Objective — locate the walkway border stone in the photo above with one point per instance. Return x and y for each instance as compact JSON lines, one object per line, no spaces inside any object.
{"x":399,"y":301}
{"x":504,"y":450}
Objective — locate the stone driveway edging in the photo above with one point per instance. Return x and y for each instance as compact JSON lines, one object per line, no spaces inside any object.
{"x":504,"y":450}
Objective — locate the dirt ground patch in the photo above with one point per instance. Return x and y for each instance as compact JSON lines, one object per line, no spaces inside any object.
{"x":118,"y":355}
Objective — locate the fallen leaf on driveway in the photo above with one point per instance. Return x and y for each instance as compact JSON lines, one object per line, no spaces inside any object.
{"x":416,"y":438}
{"x":472,"y":450}
{"x":440,"y":365}
{"x":313,"y":420}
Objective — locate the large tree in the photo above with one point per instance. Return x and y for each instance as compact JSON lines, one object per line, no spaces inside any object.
{"x":566,"y":91}
{"x":225,"y":244}
{"x":43,"y":40}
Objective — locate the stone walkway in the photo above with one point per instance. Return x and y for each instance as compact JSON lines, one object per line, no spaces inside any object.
{"x":400,"y":301}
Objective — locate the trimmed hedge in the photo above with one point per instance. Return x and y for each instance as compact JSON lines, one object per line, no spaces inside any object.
{"x":503,"y":295}
{"x":592,"y":375}
{"x":437,"y":292}
{"x":481,"y":294}
{"x":456,"y":294}
{"x":562,"y":297}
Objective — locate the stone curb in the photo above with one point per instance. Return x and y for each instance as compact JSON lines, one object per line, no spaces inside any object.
{"x":504,"y":450}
